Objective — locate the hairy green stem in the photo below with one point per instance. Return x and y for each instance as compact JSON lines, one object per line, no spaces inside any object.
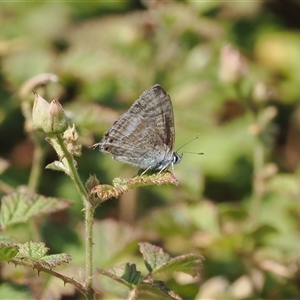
{"x":69,"y":162}
{"x":89,"y":216}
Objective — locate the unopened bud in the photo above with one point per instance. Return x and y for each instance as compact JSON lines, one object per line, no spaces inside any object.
{"x":59,"y":121}
{"x":233,"y":65}
{"x":49,"y":118}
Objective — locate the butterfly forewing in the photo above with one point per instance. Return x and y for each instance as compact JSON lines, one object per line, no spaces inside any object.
{"x":144,"y":135}
{"x":156,"y":108}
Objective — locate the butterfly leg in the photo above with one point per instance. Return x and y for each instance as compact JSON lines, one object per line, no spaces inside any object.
{"x":146,"y":171}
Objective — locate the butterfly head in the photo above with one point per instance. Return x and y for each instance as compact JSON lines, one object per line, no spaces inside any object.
{"x":176,"y":158}
{"x":164,"y":164}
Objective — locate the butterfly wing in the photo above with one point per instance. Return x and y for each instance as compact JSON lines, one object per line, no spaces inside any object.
{"x":144,"y":135}
{"x":155,"y":106}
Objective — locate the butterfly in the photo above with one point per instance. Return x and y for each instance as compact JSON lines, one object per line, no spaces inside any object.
{"x":144,"y":136}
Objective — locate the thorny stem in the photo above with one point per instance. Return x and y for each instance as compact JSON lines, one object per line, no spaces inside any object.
{"x":88,"y":293}
{"x":58,"y":143}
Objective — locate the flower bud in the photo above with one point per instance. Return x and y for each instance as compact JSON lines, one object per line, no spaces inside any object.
{"x":49,"y":118}
{"x":233,"y":65}
{"x":59,"y":121}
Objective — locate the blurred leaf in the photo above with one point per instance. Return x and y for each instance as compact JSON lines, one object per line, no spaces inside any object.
{"x":232,"y":212}
{"x":174,"y":223}
{"x":156,"y":261}
{"x":114,"y":240}
{"x":116,"y":274}
{"x":205,"y":216}
{"x":284,"y":47}
{"x":51,"y":288}
{"x":187,"y":263}
{"x":262,"y":232}
{"x":19,"y":208}
{"x":92,"y":118}
{"x":156,"y":290}
{"x":9,"y":291}
{"x":8,"y":251}
{"x":285,"y":185}
{"x":126,"y":274}
{"x":154,"y":256}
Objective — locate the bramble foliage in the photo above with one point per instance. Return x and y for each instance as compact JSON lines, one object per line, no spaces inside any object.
{"x":232,"y":72}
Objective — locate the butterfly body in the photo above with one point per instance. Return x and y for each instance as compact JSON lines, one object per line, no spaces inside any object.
{"x":144,"y":135}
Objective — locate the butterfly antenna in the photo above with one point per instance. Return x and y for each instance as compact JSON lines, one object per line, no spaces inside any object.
{"x":195,"y":138}
{"x":198,"y":153}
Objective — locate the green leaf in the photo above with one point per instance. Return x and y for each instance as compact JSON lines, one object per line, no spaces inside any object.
{"x":131,"y":275}
{"x":34,"y":254}
{"x":157,"y":261}
{"x":19,"y":208}
{"x":14,"y":292}
{"x":155,"y":290}
{"x":154,"y":256}
{"x":115,"y":241}
{"x":32,"y":250}
{"x":126,"y":274}
{"x":284,"y":185}
{"x":8,"y":251}
{"x":54,"y":260}
{"x":188,"y":263}
{"x":57,"y":166}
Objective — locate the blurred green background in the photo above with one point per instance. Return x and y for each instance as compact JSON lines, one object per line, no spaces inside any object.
{"x":232,"y":71}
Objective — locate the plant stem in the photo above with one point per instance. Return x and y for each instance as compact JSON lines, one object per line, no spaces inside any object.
{"x":35,"y":176}
{"x":258,"y":162}
{"x":258,"y":156}
{"x":70,"y":163}
{"x":38,"y":160}
{"x":68,"y":160}
{"x":88,"y":293}
{"x":89,"y":213}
